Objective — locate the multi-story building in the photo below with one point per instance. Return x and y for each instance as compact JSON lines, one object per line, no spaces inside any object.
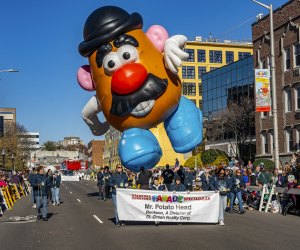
{"x":96,"y":151}
{"x":30,"y":140}
{"x":222,"y":87}
{"x":71,"y":140}
{"x":7,"y":119}
{"x":110,"y":154}
{"x":204,"y":55}
{"x":287,"y":62}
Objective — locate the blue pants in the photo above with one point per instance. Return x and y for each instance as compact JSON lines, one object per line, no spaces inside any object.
{"x":239,"y":197}
{"x":114,"y":199}
{"x":55,"y":194}
{"x":41,"y":204}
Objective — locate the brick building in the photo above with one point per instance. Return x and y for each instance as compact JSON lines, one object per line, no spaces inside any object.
{"x":287,"y":63}
{"x":96,"y":150}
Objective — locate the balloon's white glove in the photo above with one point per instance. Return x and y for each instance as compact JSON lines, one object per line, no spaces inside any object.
{"x":173,"y":52}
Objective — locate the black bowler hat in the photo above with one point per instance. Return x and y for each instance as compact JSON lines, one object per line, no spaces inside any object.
{"x":104,"y":24}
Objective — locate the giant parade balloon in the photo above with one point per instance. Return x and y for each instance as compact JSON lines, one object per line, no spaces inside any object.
{"x":135,"y":76}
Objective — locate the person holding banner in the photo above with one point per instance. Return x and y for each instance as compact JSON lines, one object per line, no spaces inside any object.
{"x":178,"y":186}
{"x":158,"y":187}
{"x":222,"y":185}
{"x":118,"y":180}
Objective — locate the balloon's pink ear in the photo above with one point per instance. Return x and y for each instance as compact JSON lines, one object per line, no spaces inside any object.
{"x":158,"y":35}
{"x":84,"y":78}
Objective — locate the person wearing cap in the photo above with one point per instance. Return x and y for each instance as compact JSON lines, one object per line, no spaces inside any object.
{"x":168,"y":176}
{"x":178,"y":186}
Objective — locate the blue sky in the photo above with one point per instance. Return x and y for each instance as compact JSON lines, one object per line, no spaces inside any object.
{"x":40,"y":39}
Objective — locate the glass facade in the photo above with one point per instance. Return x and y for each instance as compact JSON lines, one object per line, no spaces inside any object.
{"x":227,"y":84}
{"x":243,"y":55}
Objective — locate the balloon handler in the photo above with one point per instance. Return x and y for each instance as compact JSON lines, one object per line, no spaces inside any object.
{"x":137,"y":87}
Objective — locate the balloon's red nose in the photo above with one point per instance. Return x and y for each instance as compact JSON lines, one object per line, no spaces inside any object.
{"x":128,"y":78}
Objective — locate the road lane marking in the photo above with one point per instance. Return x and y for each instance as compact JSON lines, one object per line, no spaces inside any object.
{"x":78,"y":200}
{"x":70,"y":192}
{"x":96,"y":217}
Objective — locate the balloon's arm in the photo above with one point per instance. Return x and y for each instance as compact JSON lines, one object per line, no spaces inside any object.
{"x":89,"y":115}
{"x":174,"y":53}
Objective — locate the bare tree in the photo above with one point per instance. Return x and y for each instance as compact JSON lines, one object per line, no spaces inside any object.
{"x":239,"y":121}
{"x":16,"y":144}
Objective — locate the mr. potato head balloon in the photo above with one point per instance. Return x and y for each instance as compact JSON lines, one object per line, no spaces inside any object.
{"x":137,"y":87}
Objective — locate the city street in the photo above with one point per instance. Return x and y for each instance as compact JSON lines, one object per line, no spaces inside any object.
{"x":83,"y":222}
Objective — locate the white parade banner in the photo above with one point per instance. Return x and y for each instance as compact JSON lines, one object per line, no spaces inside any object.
{"x":148,"y":205}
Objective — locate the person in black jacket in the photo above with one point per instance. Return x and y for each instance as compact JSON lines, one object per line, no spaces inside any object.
{"x":188,"y":179}
{"x":40,"y":183}
{"x":168,"y":176}
{"x":106,"y":187}
{"x":181,"y":173}
{"x":100,"y":184}
{"x":144,"y":178}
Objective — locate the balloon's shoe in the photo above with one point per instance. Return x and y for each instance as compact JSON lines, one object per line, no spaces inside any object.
{"x":137,"y":148}
{"x":184,"y":127}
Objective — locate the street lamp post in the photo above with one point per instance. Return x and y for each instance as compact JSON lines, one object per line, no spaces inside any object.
{"x":273,"y":81}
{"x":3,"y":157}
{"x":13,"y":161}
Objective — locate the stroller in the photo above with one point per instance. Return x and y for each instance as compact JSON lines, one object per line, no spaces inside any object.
{"x":288,"y":202}
{"x":252,"y":199}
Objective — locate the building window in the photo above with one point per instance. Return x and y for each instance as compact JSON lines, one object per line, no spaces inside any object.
{"x":297,"y":55}
{"x":243,"y":55}
{"x":287,"y":59}
{"x":189,"y":88}
{"x":289,"y":140}
{"x":215,"y":56}
{"x":201,"y":55}
{"x":288,"y":100}
{"x":229,"y":57}
{"x":201,"y":71}
{"x":191,"y":53}
{"x":265,"y":144}
{"x":188,"y":72}
{"x":298,"y":98}
{"x":297,"y":146}
{"x":200,"y":88}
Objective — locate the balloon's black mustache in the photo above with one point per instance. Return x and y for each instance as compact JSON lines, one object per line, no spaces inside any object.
{"x":153,"y":87}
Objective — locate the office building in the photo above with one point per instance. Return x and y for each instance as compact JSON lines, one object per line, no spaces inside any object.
{"x":222,"y":87}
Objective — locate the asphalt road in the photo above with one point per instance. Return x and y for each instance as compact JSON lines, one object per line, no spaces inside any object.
{"x":83,"y":222}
